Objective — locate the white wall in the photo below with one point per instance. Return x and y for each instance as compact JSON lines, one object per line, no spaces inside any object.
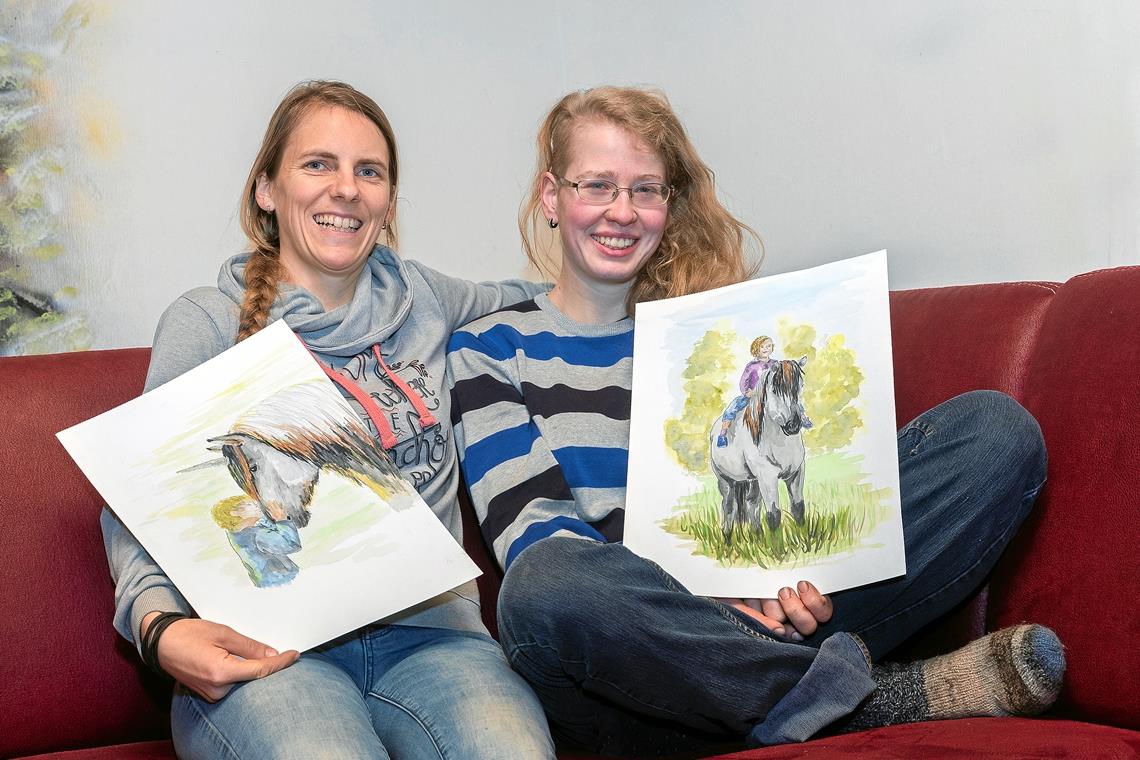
{"x":976,"y":141}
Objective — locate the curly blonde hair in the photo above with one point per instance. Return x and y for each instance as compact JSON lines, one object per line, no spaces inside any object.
{"x":757,"y":344}
{"x":703,"y":245}
{"x":264,"y":270}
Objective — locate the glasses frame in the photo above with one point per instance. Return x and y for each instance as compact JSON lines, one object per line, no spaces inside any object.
{"x":670,"y":192}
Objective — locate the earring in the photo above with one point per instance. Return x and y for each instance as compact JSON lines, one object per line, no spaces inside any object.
{"x":553,"y":224}
{"x":384,"y":226}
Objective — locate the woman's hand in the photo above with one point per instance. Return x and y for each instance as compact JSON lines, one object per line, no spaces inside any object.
{"x":792,"y":614}
{"x":210,"y":659}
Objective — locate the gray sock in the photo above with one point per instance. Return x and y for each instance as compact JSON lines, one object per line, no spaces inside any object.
{"x":1014,"y":671}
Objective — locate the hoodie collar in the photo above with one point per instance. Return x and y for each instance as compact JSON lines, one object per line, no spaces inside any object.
{"x":379,"y":306}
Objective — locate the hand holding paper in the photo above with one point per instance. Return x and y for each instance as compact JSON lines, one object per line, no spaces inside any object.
{"x":792,"y":613}
{"x":210,"y":659}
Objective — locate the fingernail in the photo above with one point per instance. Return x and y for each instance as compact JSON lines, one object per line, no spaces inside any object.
{"x":804,"y":587}
{"x":786,"y":592}
{"x":778,"y":630}
{"x":795,"y":636}
{"x":270,"y":652}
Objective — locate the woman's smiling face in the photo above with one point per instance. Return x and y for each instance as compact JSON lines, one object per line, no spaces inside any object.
{"x":606,"y":244}
{"x":331,"y":195}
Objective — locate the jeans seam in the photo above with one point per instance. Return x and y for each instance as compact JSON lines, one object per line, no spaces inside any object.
{"x":862,"y":648}
{"x":927,"y":429}
{"x":411,"y":714}
{"x":725,"y":611}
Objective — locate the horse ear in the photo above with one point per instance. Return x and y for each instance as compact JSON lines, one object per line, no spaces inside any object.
{"x":229,"y":439}
{"x":803,"y":360}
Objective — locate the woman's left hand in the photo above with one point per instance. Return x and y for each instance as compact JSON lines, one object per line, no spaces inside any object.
{"x":795,"y":613}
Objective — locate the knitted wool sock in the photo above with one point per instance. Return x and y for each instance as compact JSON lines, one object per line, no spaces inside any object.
{"x":1014,"y":671}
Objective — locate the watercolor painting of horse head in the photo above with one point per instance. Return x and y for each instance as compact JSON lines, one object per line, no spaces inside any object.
{"x":275,"y":451}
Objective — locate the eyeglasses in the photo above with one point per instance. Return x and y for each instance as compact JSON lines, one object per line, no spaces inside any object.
{"x":600,"y":192}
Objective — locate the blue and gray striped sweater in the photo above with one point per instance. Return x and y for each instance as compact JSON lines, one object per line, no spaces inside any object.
{"x":540,"y":406}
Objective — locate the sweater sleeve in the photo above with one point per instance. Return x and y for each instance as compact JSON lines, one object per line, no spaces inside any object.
{"x":519,"y":490}
{"x":186,"y":336}
{"x":463,"y":300}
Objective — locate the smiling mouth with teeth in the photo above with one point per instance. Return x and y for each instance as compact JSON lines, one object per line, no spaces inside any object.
{"x":338,"y":222}
{"x":614,"y":242}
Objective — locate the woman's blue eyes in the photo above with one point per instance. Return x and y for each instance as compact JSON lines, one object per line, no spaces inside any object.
{"x":364,"y":171}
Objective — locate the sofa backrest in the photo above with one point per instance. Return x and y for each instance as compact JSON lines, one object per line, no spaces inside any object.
{"x":68,"y":680}
{"x":946,"y":341}
{"x":1069,"y":353}
{"x":1075,"y":564}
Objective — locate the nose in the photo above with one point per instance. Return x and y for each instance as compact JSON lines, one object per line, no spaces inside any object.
{"x":344,"y":185}
{"x":621,"y":210}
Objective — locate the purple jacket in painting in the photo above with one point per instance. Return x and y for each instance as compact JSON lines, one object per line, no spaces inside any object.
{"x":751,"y":374}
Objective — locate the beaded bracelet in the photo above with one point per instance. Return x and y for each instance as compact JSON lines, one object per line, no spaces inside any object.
{"x":149,"y":646}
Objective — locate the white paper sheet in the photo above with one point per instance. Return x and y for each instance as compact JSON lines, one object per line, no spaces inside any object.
{"x":689,"y":354}
{"x":365,"y":553}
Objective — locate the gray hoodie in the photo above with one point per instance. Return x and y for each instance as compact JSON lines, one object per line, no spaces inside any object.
{"x":203,"y":322}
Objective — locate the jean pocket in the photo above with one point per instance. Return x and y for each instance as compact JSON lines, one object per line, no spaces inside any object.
{"x":911,"y":438}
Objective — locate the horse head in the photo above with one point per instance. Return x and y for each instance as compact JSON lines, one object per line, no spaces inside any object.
{"x":781,"y":395}
{"x":280,"y":482}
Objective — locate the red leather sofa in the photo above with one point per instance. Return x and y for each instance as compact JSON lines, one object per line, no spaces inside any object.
{"x":1070,"y":352}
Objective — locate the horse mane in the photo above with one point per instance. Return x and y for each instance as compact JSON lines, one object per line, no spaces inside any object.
{"x":300,"y":421}
{"x":787,"y":380}
{"x":753,"y":416}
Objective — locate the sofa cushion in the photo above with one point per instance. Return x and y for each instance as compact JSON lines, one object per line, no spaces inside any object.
{"x":974,"y":738}
{"x":55,"y":589}
{"x":1076,"y":562}
{"x":156,"y":750}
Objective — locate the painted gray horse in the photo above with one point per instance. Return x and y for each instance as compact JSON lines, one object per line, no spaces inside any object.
{"x":764,"y":447}
{"x":276,"y":451}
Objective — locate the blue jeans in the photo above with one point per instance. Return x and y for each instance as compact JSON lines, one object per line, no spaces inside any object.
{"x":383,"y":691}
{"x":626,"y":661}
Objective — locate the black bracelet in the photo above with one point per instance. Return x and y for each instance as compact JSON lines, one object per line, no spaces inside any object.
{"x":149,"y":646}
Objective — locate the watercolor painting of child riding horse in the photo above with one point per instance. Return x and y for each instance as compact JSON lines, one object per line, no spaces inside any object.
{"x":762,"y":444}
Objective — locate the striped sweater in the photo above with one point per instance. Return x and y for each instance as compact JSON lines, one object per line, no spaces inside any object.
{"x":540,"y":405}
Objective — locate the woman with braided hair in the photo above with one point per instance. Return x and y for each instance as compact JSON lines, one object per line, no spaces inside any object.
{"x":318,"y":209}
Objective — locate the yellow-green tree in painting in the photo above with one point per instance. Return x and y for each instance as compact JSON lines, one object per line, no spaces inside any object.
{"x":833,"y":383}
{"x":708,"y":382}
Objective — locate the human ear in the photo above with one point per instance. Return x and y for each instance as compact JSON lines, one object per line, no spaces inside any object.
{"x":263,"y":193}
{"x":391,"y":212}
{"x":550,"y":196}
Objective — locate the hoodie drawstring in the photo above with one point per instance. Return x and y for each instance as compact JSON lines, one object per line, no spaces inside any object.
{"x":374,"y":412}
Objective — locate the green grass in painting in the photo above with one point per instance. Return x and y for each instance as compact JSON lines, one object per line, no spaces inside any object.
{"x":841,"y":511}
